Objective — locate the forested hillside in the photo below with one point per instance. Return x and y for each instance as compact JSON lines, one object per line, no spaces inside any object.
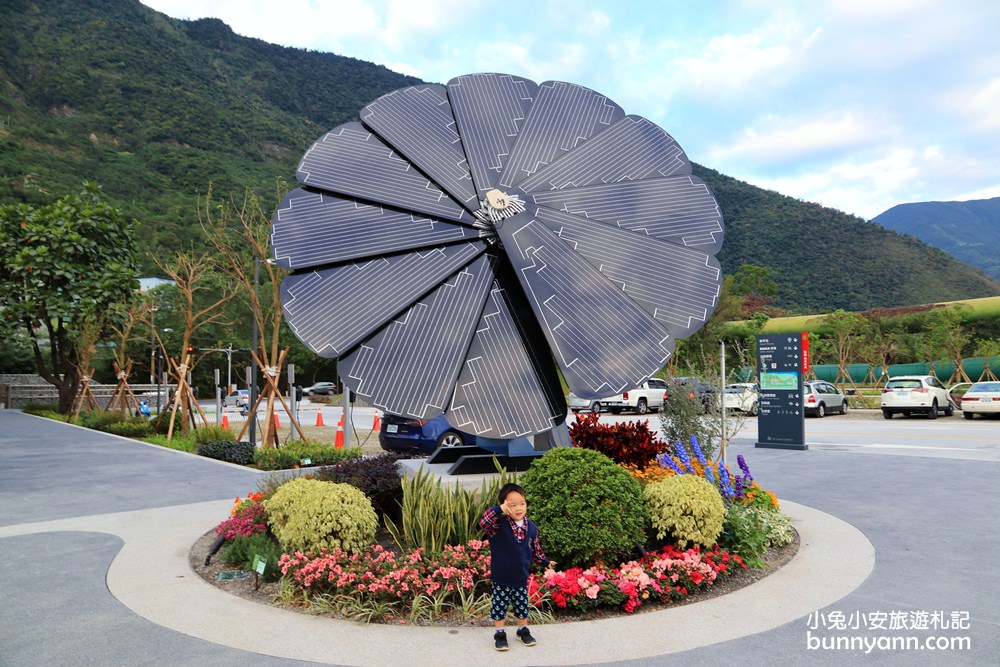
{"x":967,"y":230}
{"x":823,"y":259}
{"x":158,"y":110}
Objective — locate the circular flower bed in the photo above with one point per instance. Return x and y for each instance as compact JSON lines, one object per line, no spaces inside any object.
{"x":427,"y":564}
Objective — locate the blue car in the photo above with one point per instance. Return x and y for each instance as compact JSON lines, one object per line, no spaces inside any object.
{"x":421,"y":436}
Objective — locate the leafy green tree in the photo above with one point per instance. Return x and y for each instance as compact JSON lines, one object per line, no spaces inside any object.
{"x":949,"y":338}
{"x":65,"y":263}
{"x":845,"y":329}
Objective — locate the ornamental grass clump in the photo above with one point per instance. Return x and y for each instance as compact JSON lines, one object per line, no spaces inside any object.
{"x":309,"y":515}
{"x":586,"y":507}
{"x":687,"y":508}
{"x":434,"y":515}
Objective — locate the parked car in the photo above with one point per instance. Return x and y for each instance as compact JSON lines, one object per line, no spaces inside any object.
{"x":982,"y":398}
{"x":821,"y":398}
{"x":238,"y":398}
{"x":405,"y":434}
{"x":923,"y":394}
{"x":647,"y":397}
{"x":706,"y":392}
{"x":742,"y":396}
{"x":321,"y":389}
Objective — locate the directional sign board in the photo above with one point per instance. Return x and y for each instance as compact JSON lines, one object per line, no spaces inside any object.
{"x":782,"y":361}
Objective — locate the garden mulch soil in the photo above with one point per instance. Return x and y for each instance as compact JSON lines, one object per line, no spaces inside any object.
{"x":267,"y":593}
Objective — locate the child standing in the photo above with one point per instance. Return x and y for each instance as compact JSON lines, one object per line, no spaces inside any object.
{"x":514,"y":543}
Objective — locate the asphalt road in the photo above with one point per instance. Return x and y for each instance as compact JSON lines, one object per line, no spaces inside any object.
{"x":95,"y":532}
{"x":866,"y":432}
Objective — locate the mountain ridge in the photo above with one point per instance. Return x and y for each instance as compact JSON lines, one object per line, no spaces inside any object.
{"x":967,"y":230}
{"x":158,"y":110}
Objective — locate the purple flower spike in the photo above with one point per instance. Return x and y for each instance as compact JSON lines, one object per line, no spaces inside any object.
{"x":696,"y":448}
{"x":747,"y":477}
{"x":683,"y":456}
{"x":727,"y":488}
{"x":667,"y":461}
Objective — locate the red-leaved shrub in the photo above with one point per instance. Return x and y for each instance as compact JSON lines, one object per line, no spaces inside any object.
{"x":625,"y":443}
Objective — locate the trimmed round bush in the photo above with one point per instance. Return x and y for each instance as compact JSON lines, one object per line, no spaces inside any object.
{"x":309,"y":515}
{"x":687,"y":507}
{"x":241,"y":453}
{"x":586,"y":506}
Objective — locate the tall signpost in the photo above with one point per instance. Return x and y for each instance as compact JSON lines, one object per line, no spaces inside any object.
{"x":782,"y":362}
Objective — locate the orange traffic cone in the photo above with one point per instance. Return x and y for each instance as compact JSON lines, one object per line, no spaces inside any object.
{"x":225,"y":421}
{"x":277,"y":423}
{"x":340,"y":424}
{"x":377,"y":422}
{"x":319,"y":418}
{"x":338,"y":443}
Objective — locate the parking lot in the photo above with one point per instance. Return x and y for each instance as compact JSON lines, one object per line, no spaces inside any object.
{"x":866,"y":432}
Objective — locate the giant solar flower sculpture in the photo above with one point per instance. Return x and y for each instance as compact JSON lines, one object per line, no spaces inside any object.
{"x":462,"y":242}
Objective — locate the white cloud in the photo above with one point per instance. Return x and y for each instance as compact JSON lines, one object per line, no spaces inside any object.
{"x":980,"y":104}
{"x":784,"y":140}
{"x":856,"y":104}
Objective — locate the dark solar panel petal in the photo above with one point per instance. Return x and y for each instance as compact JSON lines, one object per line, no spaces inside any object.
{"x":633,"y":149}
{"x":499,"y":393}
{"x":603,"y":342}
{"x":680,"y":209}
{"x":409,"y":273}
{"x":418,"y":123}
{"x":350,"y":160}
{"x":410,"y":366}
{"x":312,"y":229}
{"x":490,"y":110}
{"x":563,"y":117}
{"x":367,"y":294}
{"x":678,"y":286}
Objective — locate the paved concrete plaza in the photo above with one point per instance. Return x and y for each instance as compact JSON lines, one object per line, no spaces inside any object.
{"x":95,"y":532}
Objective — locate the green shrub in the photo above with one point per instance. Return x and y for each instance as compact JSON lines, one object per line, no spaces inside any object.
{"x":434,"y":515}
{"x":130,"y":428}
{"x":585,"y":505}
{"x":42,"y":409}
{"x":377,"y":476}
{"x":240,"y":552}
{"x":309,"y":515}
{"x":178,"y":442}
{"x":302,"y":453}
{"x":100,"y":420}
{"x":750,"y":531}
{"x":207,"y":433}
{"x":686,"y":507}
{"x":682,"y":417}
{"x":241,"y":453}
{"x":743,"y":535}
{"x":776,"y":525}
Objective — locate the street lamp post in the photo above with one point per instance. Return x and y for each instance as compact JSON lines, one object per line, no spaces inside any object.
{"x":229,"y":363}
{"x":152,"y":344}
{"x":256,"y":350}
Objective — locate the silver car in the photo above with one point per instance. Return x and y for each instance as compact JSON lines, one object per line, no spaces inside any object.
{"x":822,"y":398}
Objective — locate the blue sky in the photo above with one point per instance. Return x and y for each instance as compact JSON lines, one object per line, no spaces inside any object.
{"x":855,"y":104}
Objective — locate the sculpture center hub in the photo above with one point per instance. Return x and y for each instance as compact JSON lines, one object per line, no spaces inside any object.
{"x":497,"y":207}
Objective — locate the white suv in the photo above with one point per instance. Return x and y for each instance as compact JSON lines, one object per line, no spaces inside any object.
{"x":915,"y":393}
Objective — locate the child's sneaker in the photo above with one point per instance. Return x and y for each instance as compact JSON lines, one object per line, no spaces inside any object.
{"x":524,"y":634}
{"x":500,"y":640}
